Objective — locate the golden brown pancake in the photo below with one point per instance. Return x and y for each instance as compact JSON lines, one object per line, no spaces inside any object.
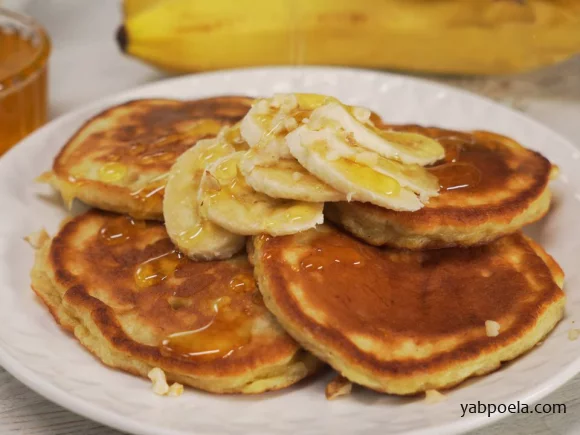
{"x":401,"y":321}
{"x":135,"y":303}
{"x":119,"y":159}
{"x":490,"y":186}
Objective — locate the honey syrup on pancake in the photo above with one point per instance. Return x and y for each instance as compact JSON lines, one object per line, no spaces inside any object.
{"x":453,"y":173}
{"x":205,"y":310}
{"x":164,"y":151}
{"x":67,"y":192}
{"x":152,"y":192}
{"x":112,"y":171}
{"x":167,"y":148}
{"x":339,"y":253}
{"x":154,"y":270}
{"x":120,"y":230}
{"x":161,"y":152}
{"x":411,"y":292}
{"x":197,"y":231}
{"x":459,"y":170}
{"x":456,"y":175}
{"x":227,"y":331}
{"x":150,"y":145}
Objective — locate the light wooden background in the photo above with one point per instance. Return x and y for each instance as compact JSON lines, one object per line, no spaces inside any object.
{"x":84,"y":52}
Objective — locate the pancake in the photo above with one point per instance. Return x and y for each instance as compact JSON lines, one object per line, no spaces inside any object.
{"x":490,"y":186}
{"x":119,"y":159}
{"x":121,"y":288}
{"x":403,"y":322}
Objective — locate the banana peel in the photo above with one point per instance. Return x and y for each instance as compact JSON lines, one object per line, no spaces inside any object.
{"x":443,"y":36}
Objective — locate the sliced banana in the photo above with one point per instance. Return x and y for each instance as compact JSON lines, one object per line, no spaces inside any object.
{"x":402,"y":146}
{"x":270,"y":119}
{"x":196,"y":237}
{"x":263,"y":124}
{"x":233,"y":136}
{"x":361,"y":174}
{"x":338,"y":144}
{"x":226,"y":199}
{"x":286,"y":179}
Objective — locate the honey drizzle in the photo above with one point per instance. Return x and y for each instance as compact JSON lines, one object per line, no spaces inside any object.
{"x":204,"y":128}
{"x":458,"y":175}
{"x":228,"y":331}
{"x":112,"y":171}
{"x":192,"y":233}
{"x":157,"y":269}
{"x":362,"y":175}
{"x":233,"y":137}
{"x":295,"y":213}
{"x":242,"y":283}
{"x":331,"y":256}
{"x":120,"y":230}
{"x":150,"y":152}
{"x":307,"y":103}
{"x":229,"y":181}
{"x":367,"y":177}
{"x":453,"y":174}
{"x":152,"y":192}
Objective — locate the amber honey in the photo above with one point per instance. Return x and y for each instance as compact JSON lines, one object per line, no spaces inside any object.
{"x":454,"y":173}
{"x":120,"y":230}
{"x":155,"y":270}
{"x":112,"y":172}
{"x":242,"y":283}
{"x":152,"y":192}
{"x":24,"y":49}
{"x":337,"y":254}
{"x":225,"y":333}
{"x":227,"y":330}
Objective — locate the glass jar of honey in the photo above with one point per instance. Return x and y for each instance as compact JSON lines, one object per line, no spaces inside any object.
{"x":24,"y":50}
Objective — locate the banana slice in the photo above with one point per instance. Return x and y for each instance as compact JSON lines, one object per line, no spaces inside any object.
{"x":226,"y":199}
{"x":195,"y":236}
{"x":285,"y":178}
{"x":266,"y":124}
{"x":361,"y":174}
{"x":404,"y":147}
{"x":270,"y":119}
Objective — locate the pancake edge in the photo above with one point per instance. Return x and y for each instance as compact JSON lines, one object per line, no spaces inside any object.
{"x":94,"y":325}
{"x":428,"y":376}
{"x":373,"y":228}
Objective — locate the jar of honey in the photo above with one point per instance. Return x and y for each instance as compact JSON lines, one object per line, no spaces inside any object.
{"x":24,"y":50}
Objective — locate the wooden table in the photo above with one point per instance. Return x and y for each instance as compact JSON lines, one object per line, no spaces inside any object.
{"x":86,"y":65}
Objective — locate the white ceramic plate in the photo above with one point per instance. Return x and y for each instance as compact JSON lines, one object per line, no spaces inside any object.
{"x":36,"y":351}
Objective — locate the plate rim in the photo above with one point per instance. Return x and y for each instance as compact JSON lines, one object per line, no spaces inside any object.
{"x":89,"y":410}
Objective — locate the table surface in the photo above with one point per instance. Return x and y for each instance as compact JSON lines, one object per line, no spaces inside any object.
{"x":86,"y":65}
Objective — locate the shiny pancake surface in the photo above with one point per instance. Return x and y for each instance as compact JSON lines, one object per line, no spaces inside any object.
{"x":119,"y":159}
{"x":490,"y":186}
{"x":401,"y":321}
{"x":136,"y":303}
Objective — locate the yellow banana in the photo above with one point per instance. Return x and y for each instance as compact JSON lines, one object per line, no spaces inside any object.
{"x":443,"y":36}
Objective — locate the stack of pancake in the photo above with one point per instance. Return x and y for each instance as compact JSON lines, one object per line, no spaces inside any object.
{"x":397,"y":301}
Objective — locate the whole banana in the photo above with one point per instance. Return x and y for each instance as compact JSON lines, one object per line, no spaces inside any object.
{"x":444,"y":36}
